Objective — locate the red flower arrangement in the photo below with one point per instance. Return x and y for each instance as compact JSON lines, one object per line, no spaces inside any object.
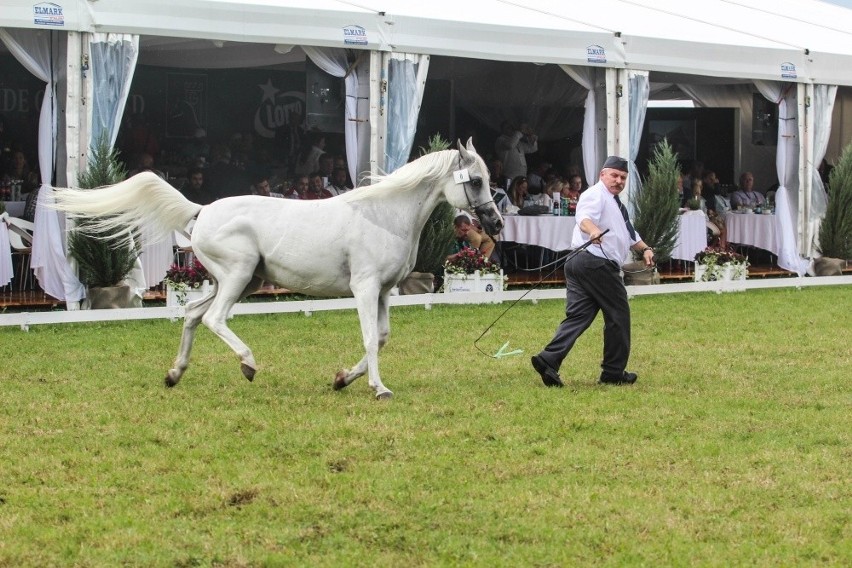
{"x":468,"y":261}
{"x":191,"y":276}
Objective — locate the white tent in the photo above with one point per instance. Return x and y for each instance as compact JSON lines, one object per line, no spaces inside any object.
{"x":602,"y":45}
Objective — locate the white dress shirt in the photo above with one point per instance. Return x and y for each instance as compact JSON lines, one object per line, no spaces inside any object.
{"x":598,"y":205}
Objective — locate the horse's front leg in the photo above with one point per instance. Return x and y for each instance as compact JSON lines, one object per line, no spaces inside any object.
{"x":346,"y":377}
{"x":367,"y":300}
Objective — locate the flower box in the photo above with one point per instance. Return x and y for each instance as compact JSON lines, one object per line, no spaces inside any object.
{"x":728,"y":272}
{"x":182,"y":294}
{"x":717,"y":265}
{"x":475,"y":282}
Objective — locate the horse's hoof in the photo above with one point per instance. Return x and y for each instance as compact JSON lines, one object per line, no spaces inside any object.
{"x":387,"y":395}
{"x":170,"y":382}
{"x":248,"y":372}
{"x":340,"y":380}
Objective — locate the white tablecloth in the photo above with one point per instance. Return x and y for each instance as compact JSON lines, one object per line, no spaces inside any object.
{"x":545,"y":231}
{"x":691,"y":236}
{"x":555,"y":233}
{"x":752,"y":229}
{"x":5,"y":255}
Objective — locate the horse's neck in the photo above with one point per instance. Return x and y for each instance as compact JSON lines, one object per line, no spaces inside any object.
{"x":405,"y":213}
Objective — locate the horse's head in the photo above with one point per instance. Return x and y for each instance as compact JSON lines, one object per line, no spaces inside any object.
{"x":471,"y":189}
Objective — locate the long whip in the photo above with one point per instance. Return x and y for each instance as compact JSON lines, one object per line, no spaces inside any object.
{"x":502,"y":351}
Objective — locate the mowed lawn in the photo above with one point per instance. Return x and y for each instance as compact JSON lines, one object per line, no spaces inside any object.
{"x":732,"y":449}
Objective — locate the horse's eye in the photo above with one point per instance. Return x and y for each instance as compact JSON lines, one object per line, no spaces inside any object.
{"x":476,"y":182}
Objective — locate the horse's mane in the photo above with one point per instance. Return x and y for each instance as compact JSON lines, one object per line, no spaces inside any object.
{"x":424,"y":169}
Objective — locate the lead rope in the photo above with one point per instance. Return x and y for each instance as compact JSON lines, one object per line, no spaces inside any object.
{"x":501,"y":352}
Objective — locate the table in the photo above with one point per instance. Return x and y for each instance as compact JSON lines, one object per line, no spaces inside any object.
{"x":546,"y":231}
{"x":691,"y":235}
{"x":555,"y":233}
{"x":753,"y":230}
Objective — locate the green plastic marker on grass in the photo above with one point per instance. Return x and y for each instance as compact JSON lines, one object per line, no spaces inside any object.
{"x":503,"y":353}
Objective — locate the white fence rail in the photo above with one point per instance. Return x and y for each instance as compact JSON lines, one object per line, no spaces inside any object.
{"x":26,"y":319}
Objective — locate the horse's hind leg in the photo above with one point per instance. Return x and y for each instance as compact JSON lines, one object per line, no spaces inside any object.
{"x":192,"y":317}
{"x":230,"y":290}
{"x":346,"y":377}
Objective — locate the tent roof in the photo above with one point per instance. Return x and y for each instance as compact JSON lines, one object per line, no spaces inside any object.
{"x":800,"y":40}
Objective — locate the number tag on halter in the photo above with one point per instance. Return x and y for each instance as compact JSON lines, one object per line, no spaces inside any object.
{"x":461,"y":176}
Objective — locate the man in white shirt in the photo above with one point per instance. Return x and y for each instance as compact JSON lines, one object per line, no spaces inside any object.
{"x":593,"y":279}
{"x":746,"y":196}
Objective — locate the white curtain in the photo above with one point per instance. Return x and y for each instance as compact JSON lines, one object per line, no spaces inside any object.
{"x":406,"y":82}
{"x":112,"y":63}
{"x":823,"y":103}
{"x":785,"y":95}
{"x":585,"y":76}
{"x":639,"y":89}
{"x":43,"y":53}
{"x":335,"y":62}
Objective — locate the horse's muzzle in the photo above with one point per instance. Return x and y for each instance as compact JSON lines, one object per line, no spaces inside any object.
{"x":490,"y":218}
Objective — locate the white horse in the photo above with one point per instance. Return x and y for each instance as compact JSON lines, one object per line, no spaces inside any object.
{"x":361,"y":243}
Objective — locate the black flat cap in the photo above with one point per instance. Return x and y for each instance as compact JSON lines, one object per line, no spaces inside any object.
{"x":616,"y":163}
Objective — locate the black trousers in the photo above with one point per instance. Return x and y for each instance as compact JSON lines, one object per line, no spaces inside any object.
{"x":593,"y":284}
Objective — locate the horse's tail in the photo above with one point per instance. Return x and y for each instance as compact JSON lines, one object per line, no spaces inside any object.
{"x":142,"y":200}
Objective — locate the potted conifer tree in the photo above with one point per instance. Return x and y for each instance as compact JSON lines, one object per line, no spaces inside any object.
{"x":103,"y":262}
{"x":656,"y":210}
{"x":835,"y":232}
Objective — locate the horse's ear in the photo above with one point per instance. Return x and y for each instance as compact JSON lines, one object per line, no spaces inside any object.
{"x":470,"y":144}
{"x":462,"y":151}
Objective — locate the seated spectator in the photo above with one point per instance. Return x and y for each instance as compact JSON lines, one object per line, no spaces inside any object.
{"x":710,"y":189}
{"x":145,"y":163}
{"x":194,"y":189}
{"x":461,"y":227}
{"x":696,"y":172}
{"x":501,"y":200}
{"x":682,"y":195}
{"x":573,"y":188}
{"x":261,"y":187}
{"x":31,"y":205}
{"x":537,"y":196}
{"x":486,"y":244}
{"x":518,"y":191}
{"x":470,"y":234}
{"x":746,"y":196}
{"x":19,"y":171}
{"x":495,"y":171}
{"x":337,"y":185}
{"x":554,"y":189}
{"x":715,"y":224}
{"x":536,"y":179}
{"x":315,"y":188}
{"x":298,"y":189}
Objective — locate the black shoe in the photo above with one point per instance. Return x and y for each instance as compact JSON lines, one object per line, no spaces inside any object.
{"x":624,"y":379}
{"x":548,"y":375}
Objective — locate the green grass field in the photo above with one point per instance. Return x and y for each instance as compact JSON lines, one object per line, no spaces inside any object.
{"x":732,"y":449}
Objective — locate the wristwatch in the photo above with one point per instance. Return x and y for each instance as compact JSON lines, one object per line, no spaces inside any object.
{"x":647,"y":248}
